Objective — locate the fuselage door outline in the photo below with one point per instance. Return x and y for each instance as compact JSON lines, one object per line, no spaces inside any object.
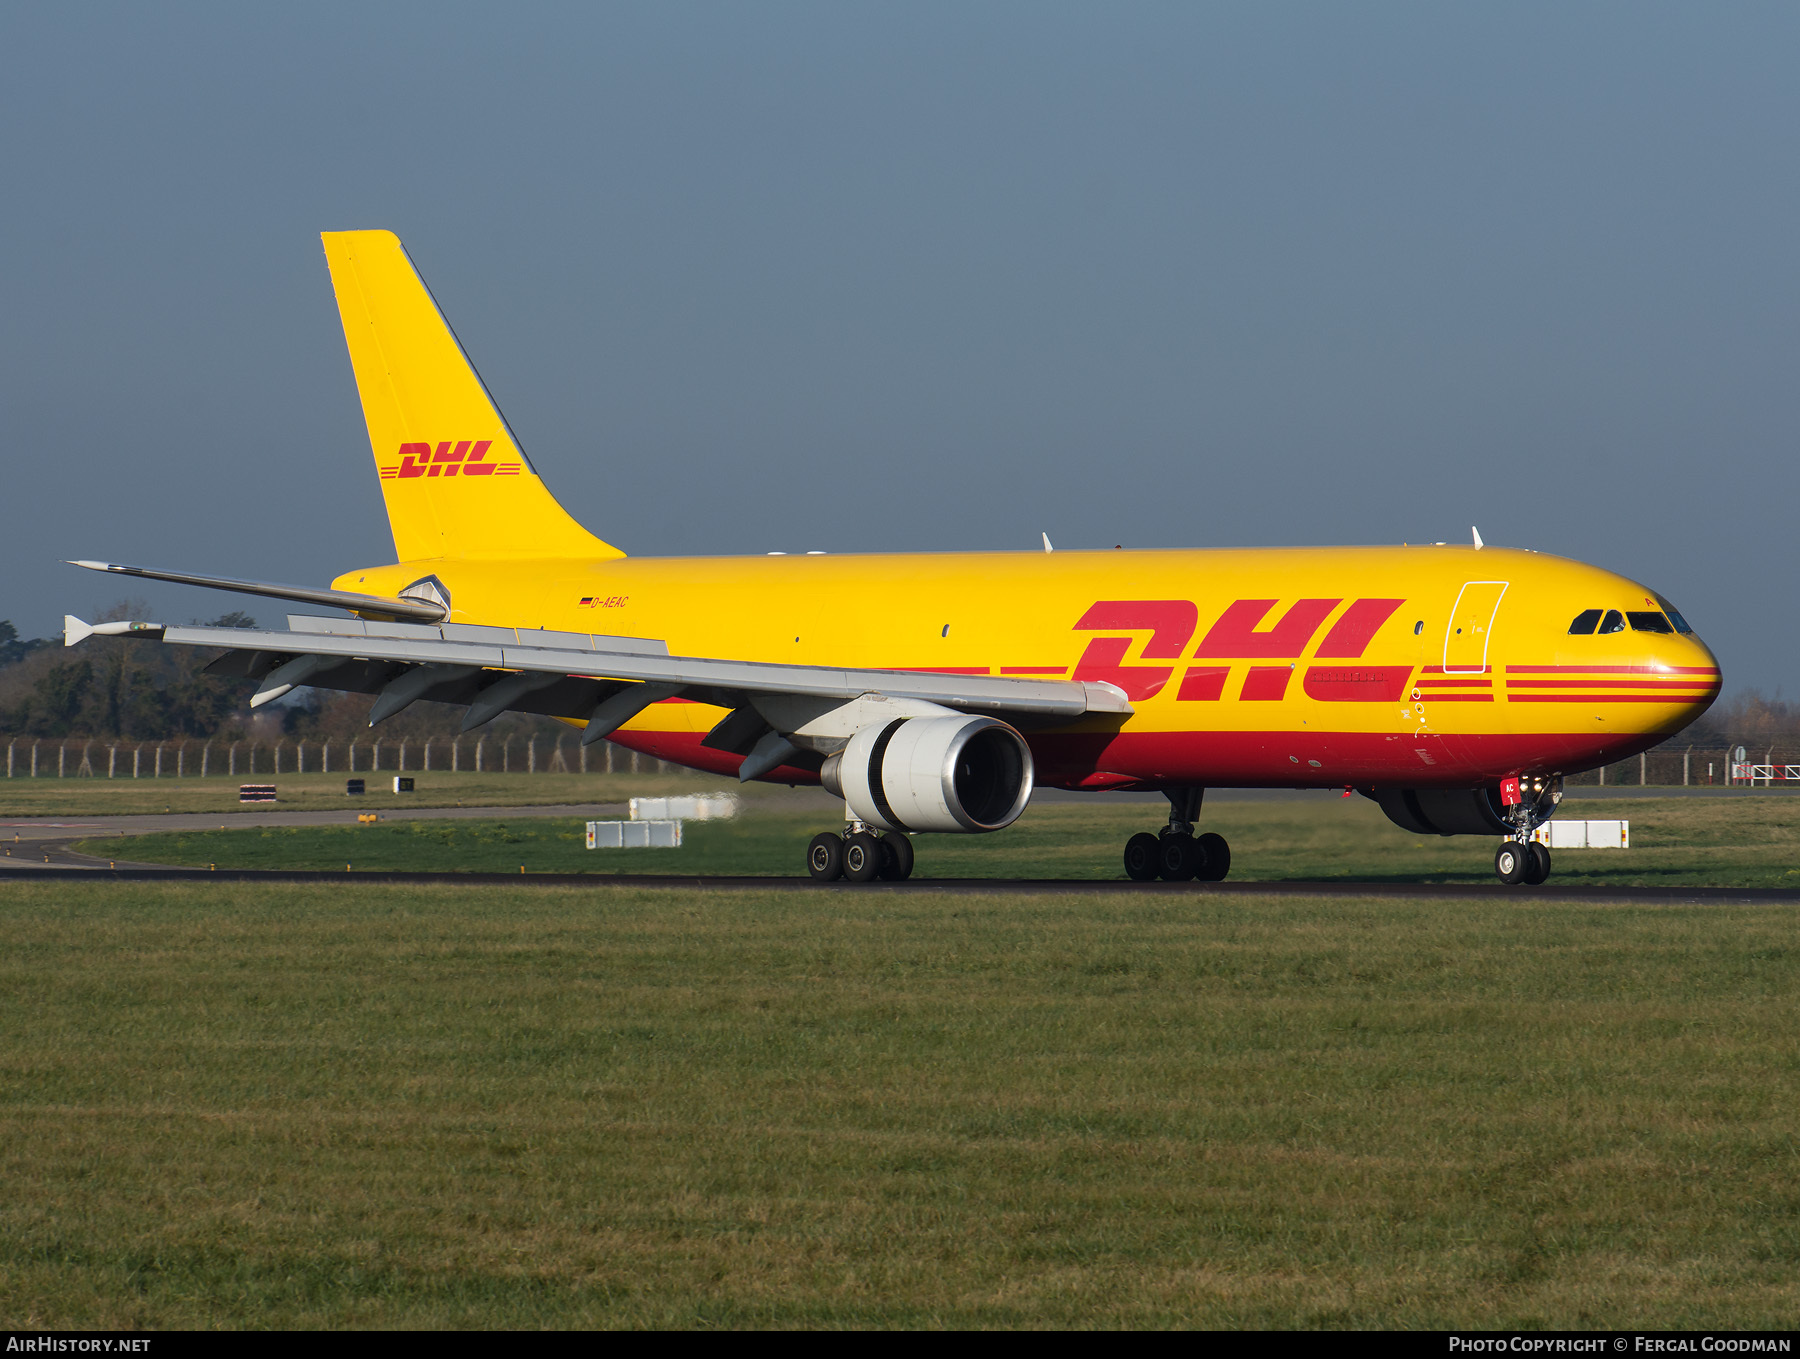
{"x":1481,"y":623}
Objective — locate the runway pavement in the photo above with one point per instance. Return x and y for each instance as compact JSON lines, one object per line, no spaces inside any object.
{"x":24,"y":829}
{"x":40,"y":846}
{"x":23,"y":870}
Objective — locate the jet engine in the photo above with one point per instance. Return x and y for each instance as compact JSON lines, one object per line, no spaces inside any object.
{"x":1445,"y":811}
{"x":952,"y":773}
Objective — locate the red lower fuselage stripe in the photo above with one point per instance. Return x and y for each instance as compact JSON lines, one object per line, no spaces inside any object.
{"x":1267,"y":759}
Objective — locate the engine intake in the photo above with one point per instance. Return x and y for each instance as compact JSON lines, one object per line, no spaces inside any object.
{"x":1445,"y":811}
{"x":934,"y":774}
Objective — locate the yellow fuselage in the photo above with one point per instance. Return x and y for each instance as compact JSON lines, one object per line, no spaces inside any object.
{"x":1406,"y":666}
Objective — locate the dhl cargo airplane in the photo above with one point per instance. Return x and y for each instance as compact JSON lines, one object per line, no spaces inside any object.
{"x":1453,"y":685}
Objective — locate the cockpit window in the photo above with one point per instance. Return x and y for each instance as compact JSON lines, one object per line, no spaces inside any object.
{"x":1681,"y":624}
{"x":1613,"y":622}
{"x":1584,"y":623}
{"x":1648,"y":622}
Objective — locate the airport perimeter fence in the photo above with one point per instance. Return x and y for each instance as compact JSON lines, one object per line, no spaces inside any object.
{"x":1678,"y":765}
{"x":33,"y":758}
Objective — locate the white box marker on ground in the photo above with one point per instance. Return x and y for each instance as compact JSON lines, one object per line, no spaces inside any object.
{"x":698,"y":807}
{"x":1584,"y":835}
{"x":661,"y":834}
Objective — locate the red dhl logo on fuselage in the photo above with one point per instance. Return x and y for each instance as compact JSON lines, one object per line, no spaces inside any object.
{"x":467,"y":456}
{"x":1239,"y":634}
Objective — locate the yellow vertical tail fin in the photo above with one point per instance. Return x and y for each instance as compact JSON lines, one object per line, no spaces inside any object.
{"x":454,"y":479}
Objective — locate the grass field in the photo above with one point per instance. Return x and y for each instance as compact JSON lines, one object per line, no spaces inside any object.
{"x":304,"y":792}
{"x":1676,"y":842}
{"x":363,"y":1105}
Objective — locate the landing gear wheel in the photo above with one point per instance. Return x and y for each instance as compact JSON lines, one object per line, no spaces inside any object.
{"x":1539,"y":867}
{"x":1178,"y":858}
{"x":825,"y":857}
{"x":1218,"y":856}
{"x":1511,"y":861}
{"x":1141,"y":852}
{"x":896,"y":857}
{"x":862,"y":857}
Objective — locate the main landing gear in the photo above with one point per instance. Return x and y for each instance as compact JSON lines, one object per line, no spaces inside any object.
{"x":859,"y":855}
{"x":1176,"y":854}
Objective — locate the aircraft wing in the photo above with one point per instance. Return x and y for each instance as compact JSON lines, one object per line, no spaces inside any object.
{"x":605,"y":681}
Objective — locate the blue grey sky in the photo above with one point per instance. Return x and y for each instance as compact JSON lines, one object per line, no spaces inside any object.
{"x":923,"y":276}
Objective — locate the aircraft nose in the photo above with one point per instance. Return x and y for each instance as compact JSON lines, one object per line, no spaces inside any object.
{"x":1687,"y":665}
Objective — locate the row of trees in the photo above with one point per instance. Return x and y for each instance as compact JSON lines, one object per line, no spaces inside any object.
{"x":15,"y":648}
{"x":1747,"y":718}
{"x":121,"y":688}
{"x":115,"y":687}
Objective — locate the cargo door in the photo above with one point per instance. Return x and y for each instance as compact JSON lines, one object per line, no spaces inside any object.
{"x":1471,"y":621}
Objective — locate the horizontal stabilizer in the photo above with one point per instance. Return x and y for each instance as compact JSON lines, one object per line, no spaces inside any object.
{"x":418,"y":610}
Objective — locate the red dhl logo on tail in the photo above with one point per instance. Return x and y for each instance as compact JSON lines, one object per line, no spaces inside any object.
{"x":466,"y":456}
{"x":1239,"y":634}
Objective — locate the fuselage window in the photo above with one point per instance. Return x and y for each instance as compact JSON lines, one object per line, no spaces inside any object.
{"x":1681,"y":624}
{"x":1613,"y":622}
{"x":1649,"y":622}
{"x":1584,"y":623}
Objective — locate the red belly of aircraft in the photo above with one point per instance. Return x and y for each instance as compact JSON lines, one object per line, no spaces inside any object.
{"x":1239,"y":759}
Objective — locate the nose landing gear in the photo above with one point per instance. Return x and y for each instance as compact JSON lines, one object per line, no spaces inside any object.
{"x":1176,"y":854}
{"x":1528,"y":863}
{"x":1520,"y":859}
{"x":1539,"y":868}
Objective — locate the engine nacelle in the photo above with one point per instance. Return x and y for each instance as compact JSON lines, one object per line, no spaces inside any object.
{"x":1445,"y":811}
{"x":934,"y":774}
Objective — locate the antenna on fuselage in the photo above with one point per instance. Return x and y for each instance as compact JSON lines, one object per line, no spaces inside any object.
{"x":1047,"y":546}
{"x":1476,"y":534}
